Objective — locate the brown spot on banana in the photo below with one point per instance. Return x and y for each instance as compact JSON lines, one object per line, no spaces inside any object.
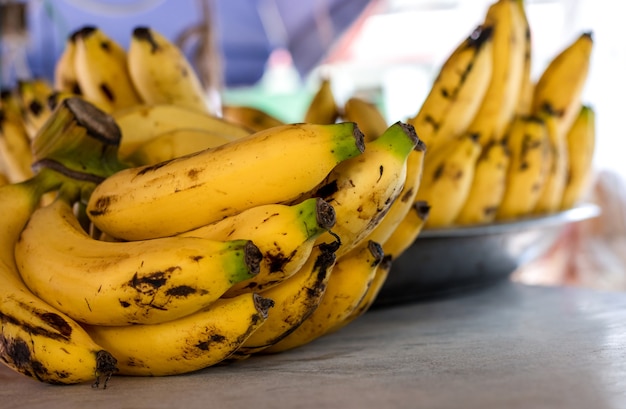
{"x":143,"y":33}
{"x":107,"y":92}
{"x":101,"y":206}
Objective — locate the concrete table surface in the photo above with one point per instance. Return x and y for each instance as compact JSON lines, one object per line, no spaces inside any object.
{"x":506,"y":346}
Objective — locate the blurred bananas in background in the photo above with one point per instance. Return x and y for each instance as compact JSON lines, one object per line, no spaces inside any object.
{"x":154,"y":237}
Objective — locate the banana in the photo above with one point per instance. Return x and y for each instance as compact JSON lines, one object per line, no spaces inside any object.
{"x":488,"y":185}
{"x":558,"y":91}
{"x":143,"y":122}
{"x":3,"y":179}
{"x":270,"y":166}
{"x":528,"y":143}
{"x":348,"y":283}
{"x":447,"y":179}
{"x":191,"y":343}
{"x":295,"y":299}
{"x":457,"y":92}
{"x":581,"y":145}
{"x":556,"y":177}
{"x":175,"y":143}
{"x":407,"y":231}
{"x":64,"y":71}
{"x":525,"y":99}
{"x":33,"y":96}
{"x":250,"y":117}
{"x":101,"y":69}
{"x":362,"y":189}
{"x":36,"y":339}
{"x":402,"y":205}
{"x":121,"y":283}
{"x":161,"y":72}
{"x":15,"y":149}
{"x":366,"y":302}
{"x":284,"y":234}
{"x":367,"y":116}
{"x":502,"y":94}
{"x":322,"y":108}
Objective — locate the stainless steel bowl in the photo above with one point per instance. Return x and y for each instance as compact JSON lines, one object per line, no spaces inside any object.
{"x":446,"y":261}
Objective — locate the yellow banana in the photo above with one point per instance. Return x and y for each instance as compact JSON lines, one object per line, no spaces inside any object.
{"x":527,"y":140}
{"x":120,"y":283}
{"x":367,"y":116}
{"x":188,"y":344}
{"x":558,"y":91}
{"x":15,"y":149}
{"x":402,"y":205}
{"x":36,"y":339}
{"x":581,"y":145}
{"x":173,"y":144}
{"x":348,"y":283}
{"x":362,"y":189}
{"x":373,"y":289}
{"x":323,"y":107}
{"x":407,"y":231}
{"x":457,"y":92}
{"x":33,"y":95}
{"x":250,"y":117}
{"x":284,"y":234}
{"x":101,"y":69}
{"x":525,"y":98}
{"x":143,"y":122}
{"x":295,"y":299}
{"x":502,"y":95}
{"x":11,"y":105}
{"x":270,"y":166}
{"x":3,"y":179}
{"x":161,"y":72}
{"x":64,"y":71}
{"x":556,"y":177}
{"x":488,"y":185}
{"x":447,"y":179}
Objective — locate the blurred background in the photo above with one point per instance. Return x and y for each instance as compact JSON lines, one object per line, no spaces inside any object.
{"x":272,"y":53}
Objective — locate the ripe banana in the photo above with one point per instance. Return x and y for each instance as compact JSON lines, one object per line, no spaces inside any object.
{"x":528,"y":143}
{"x":121,"y":283}
{"x":270,"y":166}
{"x":402,"y":205}
{"x":581,"y":146}
{"x":323,"y":107}
{"x":143,"y":122}
{"x":175,"y":143}
{"x":284,"y":234}
{"x":64,"y":71}
{"x":36,"y":339}
{"x":33,"y":96}
{"x":525,"y":100}
{"x":295,"y":299}
{"x":407,"y":231}
{"x":488,"y":185}
{"x":556,"y":177}
{"x":101,"y":69}
{"x":558,"y":91}
{"x":348,"y":283}
{"x":250,"y":117}
{"x":362,"y":189}
{"x":188,"y":344}
{"x":15,"y":150}
{"x":161,"y":72}
{"x":502,"y":95}
{"x":3,"y":179}
{"x":457,"y":92}
{"x":447,"y":179}
{"x":367,"y":116}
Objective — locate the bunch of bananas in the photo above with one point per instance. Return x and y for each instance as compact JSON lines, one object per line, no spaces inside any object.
{"x":239,"y":238}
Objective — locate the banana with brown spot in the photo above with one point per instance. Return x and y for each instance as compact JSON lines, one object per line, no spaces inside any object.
{"x":271,"y":166}
{"x":38,"y":340}
{"x":250,"y":117}
{"x":121,"y":283}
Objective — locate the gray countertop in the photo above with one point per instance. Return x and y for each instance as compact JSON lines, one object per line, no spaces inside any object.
{"x":506,"y":346}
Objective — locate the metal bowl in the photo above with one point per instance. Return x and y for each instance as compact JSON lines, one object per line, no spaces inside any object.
{"x":445,"y":261}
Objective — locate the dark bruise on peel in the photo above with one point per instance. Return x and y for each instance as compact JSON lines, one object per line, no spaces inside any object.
{"x":359,"y":138}
{"x":277,"y":262}
{"x":213,"y":339}
{"x":101,"y":206}
{"x":377,"y":252}
{"x":35,"y":108}
{"x":38,"y":330}
{"x":431,"y":121}
{"x":107,"y":92}
{"x":422,"y":208}
{"x":407,"y":195}
{"x":144,"y":34}
{"x":438,"y":171}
